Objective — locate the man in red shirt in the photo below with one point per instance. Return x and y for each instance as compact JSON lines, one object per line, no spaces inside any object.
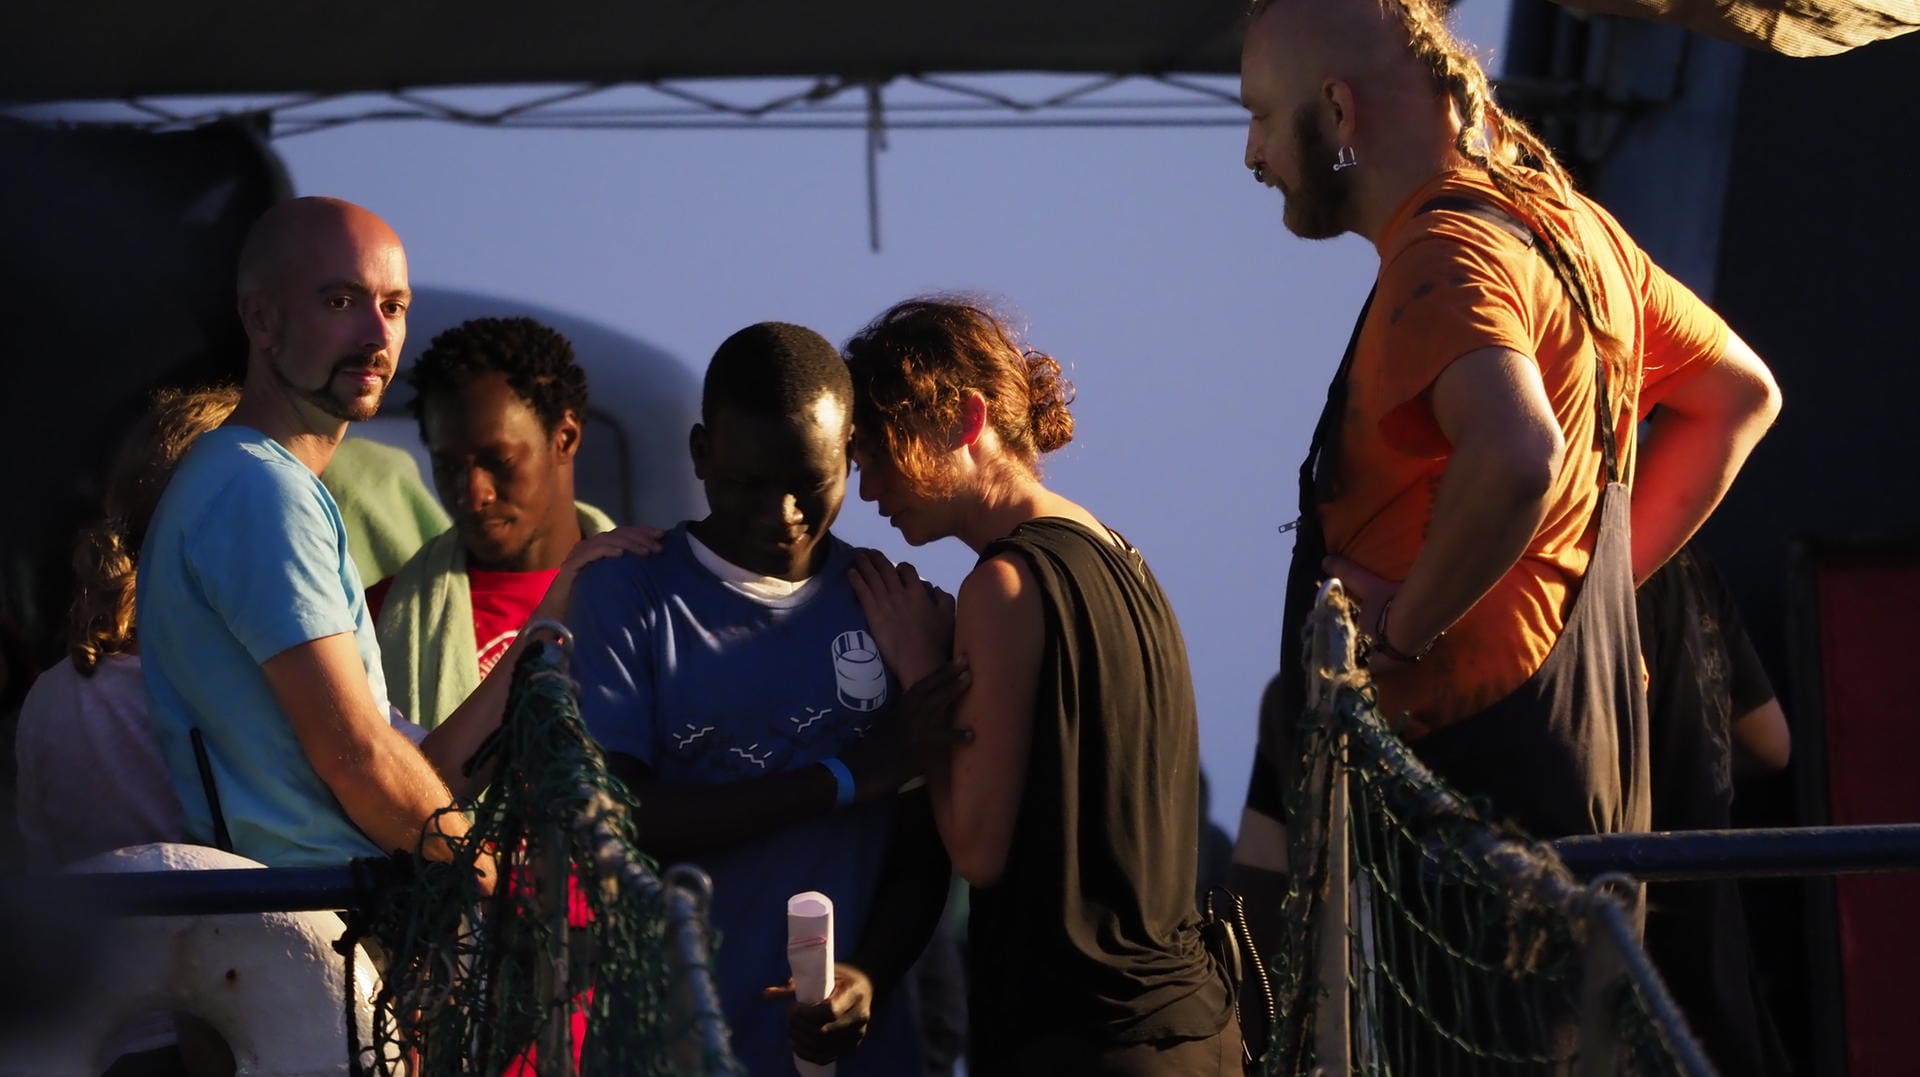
{"x":500,"y":403}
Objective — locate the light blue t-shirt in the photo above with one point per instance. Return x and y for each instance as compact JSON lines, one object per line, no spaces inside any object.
{"x":246,"y":557}
{"x":707,"y":684}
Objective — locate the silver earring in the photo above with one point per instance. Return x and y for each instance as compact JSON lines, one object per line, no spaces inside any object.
{"x":1344,"y":159}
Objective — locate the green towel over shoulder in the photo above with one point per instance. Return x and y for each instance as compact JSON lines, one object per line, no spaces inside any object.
{"x":426,"y":626}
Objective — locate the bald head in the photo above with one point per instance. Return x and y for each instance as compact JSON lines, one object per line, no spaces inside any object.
{"x":296,"y":229}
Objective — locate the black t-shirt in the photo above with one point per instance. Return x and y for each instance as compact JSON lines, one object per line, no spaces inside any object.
{"x":1092,"y":931}
{"x":1704,"y":675}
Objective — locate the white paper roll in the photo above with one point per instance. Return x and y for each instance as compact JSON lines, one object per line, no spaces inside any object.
{"x":810,"y":956}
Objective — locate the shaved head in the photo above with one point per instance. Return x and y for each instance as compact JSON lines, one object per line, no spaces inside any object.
{"x":292,"y":229}
{"x":1310,"y":41}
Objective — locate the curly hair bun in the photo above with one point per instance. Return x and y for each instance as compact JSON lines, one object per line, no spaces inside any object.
{"x":1048,"y":393}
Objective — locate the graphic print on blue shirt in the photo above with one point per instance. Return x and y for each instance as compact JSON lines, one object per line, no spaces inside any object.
{"x":707,"y":685}
{"x":707,"y":741}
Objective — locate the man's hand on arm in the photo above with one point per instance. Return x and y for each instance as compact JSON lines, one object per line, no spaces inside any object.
{"x":1507,"y":449}
{"x":387,"y":788}
{"x":1696,"y":443}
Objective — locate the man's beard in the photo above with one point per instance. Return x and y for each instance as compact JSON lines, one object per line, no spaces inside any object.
{"x":356,"y":410}
{"x":1317,"y":209}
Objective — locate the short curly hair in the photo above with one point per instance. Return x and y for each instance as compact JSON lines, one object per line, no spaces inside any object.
{"x":914,"y":365}
{"x":536,"y":359}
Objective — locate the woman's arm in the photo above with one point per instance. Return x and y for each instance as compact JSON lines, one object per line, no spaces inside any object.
{"x":999,"y":630}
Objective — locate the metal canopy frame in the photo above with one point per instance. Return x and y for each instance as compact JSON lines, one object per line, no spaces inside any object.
{"x":907,"y":102}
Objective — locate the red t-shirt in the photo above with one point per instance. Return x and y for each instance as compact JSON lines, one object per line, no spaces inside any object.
{"x":502,"y":602}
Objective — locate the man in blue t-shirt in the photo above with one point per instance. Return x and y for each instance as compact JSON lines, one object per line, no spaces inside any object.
{"x":734,"y":686}
{"x":254,"y":634}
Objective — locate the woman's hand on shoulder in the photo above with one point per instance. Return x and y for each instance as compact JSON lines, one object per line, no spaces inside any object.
{"x":911,"y":621}
{"x":640,"y":540}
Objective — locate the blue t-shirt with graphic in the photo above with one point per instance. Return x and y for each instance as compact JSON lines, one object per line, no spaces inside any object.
{"x":708,"y":685}
{"x":246,"y":556}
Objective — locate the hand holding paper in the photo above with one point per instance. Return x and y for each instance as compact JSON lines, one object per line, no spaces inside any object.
{"x":810,"y":956}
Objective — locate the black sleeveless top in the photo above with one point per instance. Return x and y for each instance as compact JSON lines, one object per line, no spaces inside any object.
{"x":1092,"y":931}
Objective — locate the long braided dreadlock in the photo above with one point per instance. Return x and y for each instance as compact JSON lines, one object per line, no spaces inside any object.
{"x":1517,"y":161}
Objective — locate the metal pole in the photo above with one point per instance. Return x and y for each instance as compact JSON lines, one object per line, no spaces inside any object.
{"x":1333,"y":1020}
{"x":1601,"y":981}
{"x":1746,"y":854}
{"x":1333,"y":661}
{"x":208,"y":893}
{"x":554,"y":898}
{"x":697,"y":1001}
{"x":1619,"y":926}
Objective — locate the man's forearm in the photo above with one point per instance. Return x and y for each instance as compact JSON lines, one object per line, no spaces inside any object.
{"x":677,"y":821}
{"x":380,"y":780}
{"x":1699,"y":437}
{"x":1484,"y":515}
{"x":915,"y":878}
{"x":390,"y":792}
{"x":1686,"y":466}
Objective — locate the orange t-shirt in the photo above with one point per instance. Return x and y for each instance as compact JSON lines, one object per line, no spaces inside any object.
{"x":1451,"y":284}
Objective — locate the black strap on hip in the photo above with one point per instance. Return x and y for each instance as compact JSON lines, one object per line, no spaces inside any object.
{"x":222,"y":840}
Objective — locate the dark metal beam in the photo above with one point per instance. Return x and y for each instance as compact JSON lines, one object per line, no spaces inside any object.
{"x":207,"y":893}
{"x":1746,"y":854}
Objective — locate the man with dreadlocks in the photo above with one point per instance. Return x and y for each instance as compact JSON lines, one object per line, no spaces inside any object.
{"x":1469,"y":479}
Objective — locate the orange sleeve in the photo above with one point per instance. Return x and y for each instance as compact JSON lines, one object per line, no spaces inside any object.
{"x":1682,"y":335}
{"x":1442,"y":298}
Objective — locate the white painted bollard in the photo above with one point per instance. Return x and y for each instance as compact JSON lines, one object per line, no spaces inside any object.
{"x":270,"y":983}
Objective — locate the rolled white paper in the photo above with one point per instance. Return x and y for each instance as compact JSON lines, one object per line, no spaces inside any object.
{"x":810,"y":956}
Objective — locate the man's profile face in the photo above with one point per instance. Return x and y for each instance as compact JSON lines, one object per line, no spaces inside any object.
{"x":774,"y":485}
{"x":497,"y":469}
{"x":1286,"y":147}
{"x":338,"y":313}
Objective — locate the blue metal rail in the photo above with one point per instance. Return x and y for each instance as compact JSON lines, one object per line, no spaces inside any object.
{"x":1698,"y":854}
{"x":1746,"y":854}
{"x":217,"y":892}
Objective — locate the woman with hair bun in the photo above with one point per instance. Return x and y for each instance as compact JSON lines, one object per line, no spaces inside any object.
{"x":1065,"y":785}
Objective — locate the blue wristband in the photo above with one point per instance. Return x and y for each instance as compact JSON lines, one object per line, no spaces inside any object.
{"x":842,"y":781}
